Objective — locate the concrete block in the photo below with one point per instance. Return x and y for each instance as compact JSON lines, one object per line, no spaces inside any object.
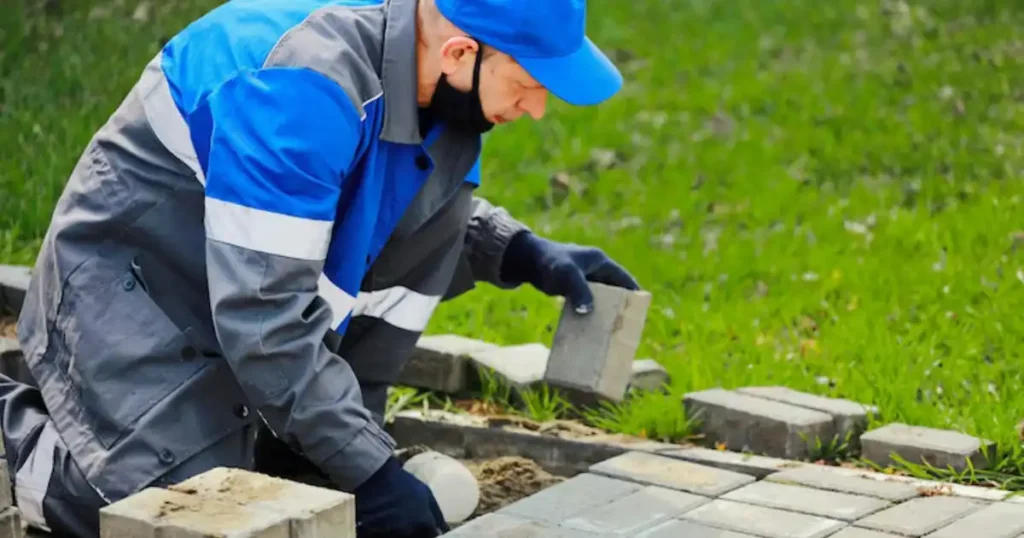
{"x":454,"y":487}
{"x":439,"y":363}
{"x":521,"y":366}
{"x":649,"y":376}
{"x":929,"y":487}
{"x":919,"y":444}
{"x":311,"y":511}
{"x":849,"y":418}
{"x":12,"y":362}
{"x":833,"y":479}
{"x":761,"y":521}
{"x":748,"y":423}
{"x":594,"y":353}
{"x":689,"y":529}
{"x":506,"y":526}
{"x":920,"y":516}
{"x":570,"y":498}
{"x":6,"y":499}
{"x":656,"y":470}
{"x":161,"y":513}
{"x":633,"y":513}
{"x":14,"y":281}
{"x":999,"y":520}
{"x":10,"y":523}
{"x":816,"y":502}
{"x":750,"y":464}
{"x":854,"y":532}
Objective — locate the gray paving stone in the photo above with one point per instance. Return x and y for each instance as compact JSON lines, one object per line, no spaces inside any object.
{"x":594,"y":353}
{"x":854,"y":532}
{"x":522,"y":365}
{"x":649,"y":376}
{"x":761,"y":521}
{"x":689,"y":529}
{"x":633,"y":513}
{"x":162,"y":513}
{"x":999,"y":520}
{"x":821,"y":477}
{"x":753,"y":465}
{"x":816,"y":502}
{"x":5,"y":486}
{"x":749,"y":423}
{"x":917,"y":444}
{"x":570,"y":498}
{"x":14,"y":280}
{"x":500,"y":525}
{"x":11,"y":523}
{"x":12,"y":362}
{"x":656,"y":470}
{"x":927,"y":487}
{"x":849,"y":417}
{"x":439,"y":362}
{"x":920,"y":516}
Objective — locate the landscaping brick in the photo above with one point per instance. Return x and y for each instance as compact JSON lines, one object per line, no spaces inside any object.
{"x":503,"y":525}
{"x":5,"y":485}
{"x":1000,"y":520}
{"x":920,"y":516}
{"x":594,"y":353}
{"x":161,"y":513}
{"x":849,"y":418}
{"x":854,"y":532}
{"x":10,"y":523}
{"x":918,"y":444}
{"x":656,"y":470}
{"x":521,"y":366}
{"x":439,"y":362}
{"x":637,"y":511}
{"x":570,"y":498}
{"x":749,"y":423}
{"x":753,"y":465}
{"x":830,"y":504}
{"x":761,"y":521}
{"x":689,"y":529}
{"x":649,"y":376}
{"x":14,"y":281}
{"x":830,"y":479}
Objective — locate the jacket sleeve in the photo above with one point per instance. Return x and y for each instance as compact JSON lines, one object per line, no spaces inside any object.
{"x":282,"y":143}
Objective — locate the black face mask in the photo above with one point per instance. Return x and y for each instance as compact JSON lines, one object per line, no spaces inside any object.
{"x":461,"y":110}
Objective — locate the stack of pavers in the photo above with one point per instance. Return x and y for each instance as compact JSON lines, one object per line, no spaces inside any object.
{"x":10,"y":517}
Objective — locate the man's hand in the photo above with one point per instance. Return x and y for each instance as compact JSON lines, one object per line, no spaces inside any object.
{"x":395,"y":504}
{"x":562,"y":269}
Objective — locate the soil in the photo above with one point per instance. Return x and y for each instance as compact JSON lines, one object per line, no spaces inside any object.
{"x":506,"y":480}
{"x":7,"y":327}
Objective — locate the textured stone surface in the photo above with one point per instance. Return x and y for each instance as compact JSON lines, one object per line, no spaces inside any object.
{"x":635,"y":512}
{"x":161,"y":513}
{"x":521,"y":365}
{"x":918,"y":517}
{"x":5,"y":485}
{"x":689,"y":529}
{"x":917,"y":444}
{"x":849,"y":418}
{"x":439,"y":363}
{"x":570,"y":498}
{"x":14,"y":281}
{"x":671,"y":473}
{"x":649,"y":375}
{"x":761,"y":521}
{"x":10,"y":523}
{"x":12,"y":362}
{"x":929,"y":487}
{"x":821,"y":477}
{"x":506,"y":526}
{"x":594,"y":353}
{"x":854,"y":532}
{"x":830,"y":504}
{"x":753,"y":465}
{"x":765,"y":427}
{"x":1000,"y":520}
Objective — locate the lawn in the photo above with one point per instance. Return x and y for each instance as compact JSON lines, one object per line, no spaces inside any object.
{"x":822,"y":195}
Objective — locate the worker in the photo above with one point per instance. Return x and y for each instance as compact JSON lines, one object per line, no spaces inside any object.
{"x":247,"y":251}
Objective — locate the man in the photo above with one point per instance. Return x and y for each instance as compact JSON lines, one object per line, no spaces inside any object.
{"x":248,"y":250}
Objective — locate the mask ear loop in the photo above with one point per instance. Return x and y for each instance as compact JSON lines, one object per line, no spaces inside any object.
{"x":476,"y":65}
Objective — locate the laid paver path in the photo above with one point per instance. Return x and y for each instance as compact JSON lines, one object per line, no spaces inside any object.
{"x":663,"y":495}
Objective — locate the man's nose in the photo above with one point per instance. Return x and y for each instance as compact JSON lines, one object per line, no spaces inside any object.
{"x":536,"y":104}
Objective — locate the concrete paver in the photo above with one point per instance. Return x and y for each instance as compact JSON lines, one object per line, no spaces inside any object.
{"x":920,"y":516}
{"x":849,"y":417}
{"x":822,"y":477}
{"x":830,"y":504}
{"x":10,"y":523}
{"x":999,"y":520}
{"x":648,"y":375}
{"x":917,"y":444}
{"x":761,"y":521}
{"x":570,"y":498}
{"x":854,"y":532}
{"x":640,"y":510}
{"x":753,"y":465}
{"x":439,"y":362}
{"x":521,"y":365}
{"x":499,"y":525}
{"x":671,"y":473}
{"x":161,"y":513}
{"x":689,"y":529}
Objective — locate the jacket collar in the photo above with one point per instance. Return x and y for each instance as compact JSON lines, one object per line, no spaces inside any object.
{"x":399,"y":74}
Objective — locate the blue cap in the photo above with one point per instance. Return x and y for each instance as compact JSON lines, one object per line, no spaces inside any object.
{"x":546,"y":37}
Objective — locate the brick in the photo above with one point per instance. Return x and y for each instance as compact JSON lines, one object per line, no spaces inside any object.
{"x":829,"y":479}
{"x":920,"y":516}
{"x":640,"y":510}
{"x":439,"y":363}
{"x":761,"y":521}
{"x":10,"y":523}
{"x":854,"y":532}
{"x":5,"y":484}
{"x":1000,"y":520}
{"x":928,"y":487}
{"x":594,"y":353}
{"x":649,"y":376}
{"x":830,"y":504}
{"x":312,"y":511}
{"x":14,"y":280}
{"x":570,"y":498}
{"x":522,"y":366}
{"x":656,"y":470}
{"x":161,"y":513}
{"x":504,"y":525}
{"x":751,"y":464}
{"x":748,"y":423}
{"x":849,"y":418}
{"x":919,"y":444}
{"x":689,"y":529}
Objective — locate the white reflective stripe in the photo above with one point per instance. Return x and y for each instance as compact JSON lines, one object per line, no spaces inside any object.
{"x":340,"y":301}
{"x":33,"y":479}
{"x":164,"y":117}
{"x":399,"y":306}
{"x":264,"y":231}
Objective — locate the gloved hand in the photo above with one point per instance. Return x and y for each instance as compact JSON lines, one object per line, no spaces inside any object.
{"x":393,"y":503}
{"x":562,"y":269}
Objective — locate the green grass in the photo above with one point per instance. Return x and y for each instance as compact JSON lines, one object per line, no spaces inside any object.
{"x":820,"y":195}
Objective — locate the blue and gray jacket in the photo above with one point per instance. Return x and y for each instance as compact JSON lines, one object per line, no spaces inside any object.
{"x":258,"y":235}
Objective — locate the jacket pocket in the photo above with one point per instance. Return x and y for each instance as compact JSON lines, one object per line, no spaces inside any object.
{"x":124,"y":355}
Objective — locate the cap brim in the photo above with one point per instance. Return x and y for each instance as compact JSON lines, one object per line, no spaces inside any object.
{"x":585,"y":77}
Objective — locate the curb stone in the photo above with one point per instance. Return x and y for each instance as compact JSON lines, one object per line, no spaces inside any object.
{"x":919,"y":444}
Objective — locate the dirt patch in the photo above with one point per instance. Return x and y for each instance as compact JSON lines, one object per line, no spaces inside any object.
{"x":506,"y":480}
{"x":8,"y":327}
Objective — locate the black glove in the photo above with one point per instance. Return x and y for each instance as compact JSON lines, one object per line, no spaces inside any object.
{"x":395,"y":504}
{"x":562,"y":269}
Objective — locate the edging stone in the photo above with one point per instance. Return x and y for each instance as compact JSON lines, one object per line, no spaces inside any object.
{"x":672,"y":473}
{"x":920,"y":444}
{"x":850,"y":418}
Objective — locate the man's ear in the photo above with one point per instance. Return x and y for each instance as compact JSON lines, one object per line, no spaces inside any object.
{"x":455,"y":51}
